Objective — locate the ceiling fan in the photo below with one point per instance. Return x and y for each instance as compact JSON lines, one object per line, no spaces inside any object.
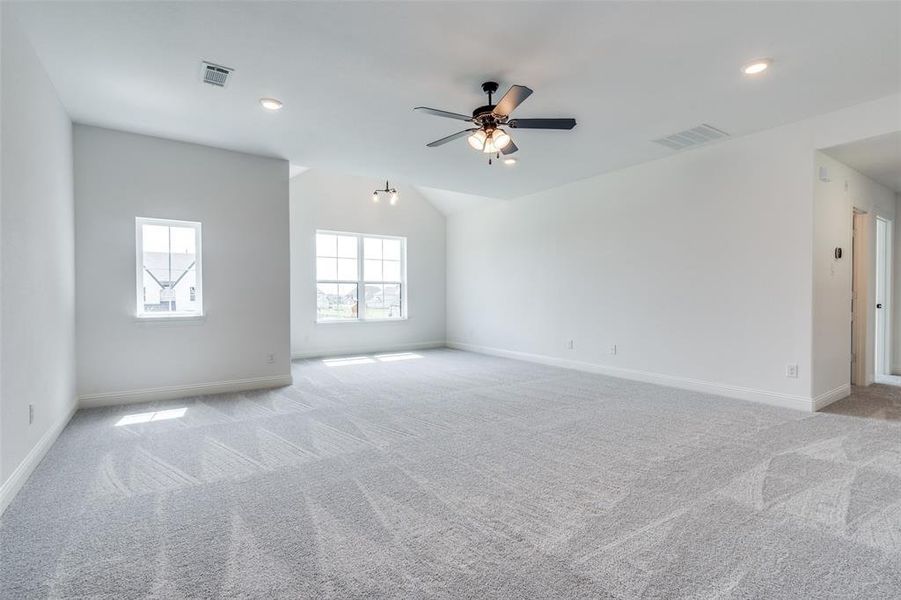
{"x":488,"y":135}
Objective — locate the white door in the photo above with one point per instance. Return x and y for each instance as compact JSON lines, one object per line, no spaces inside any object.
{"x":883,"y":278}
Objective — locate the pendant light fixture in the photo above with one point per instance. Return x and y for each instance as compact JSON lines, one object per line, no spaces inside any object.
{"x":393,"y":197}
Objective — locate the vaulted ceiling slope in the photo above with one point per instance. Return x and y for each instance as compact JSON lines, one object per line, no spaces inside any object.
{"x":349,"y":74}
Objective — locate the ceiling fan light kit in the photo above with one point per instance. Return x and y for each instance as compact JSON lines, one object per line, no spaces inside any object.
{"x":477,"y":140}
{"x":392,"y":194}
{"x":488,"y":136}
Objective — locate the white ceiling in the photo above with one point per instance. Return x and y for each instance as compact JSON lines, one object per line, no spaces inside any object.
{"x":350,"y":73}
{"x":879,"y":158}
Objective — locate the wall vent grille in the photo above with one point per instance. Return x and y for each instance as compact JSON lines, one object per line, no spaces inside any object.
{"x":692,"y":137}
{"x":216,"y":74}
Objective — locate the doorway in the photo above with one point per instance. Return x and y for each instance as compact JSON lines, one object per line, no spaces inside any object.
{"x":852,"y":178}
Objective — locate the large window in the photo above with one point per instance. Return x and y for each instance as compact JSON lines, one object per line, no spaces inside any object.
{"x":168,"y":268}
{"x":360,"y":277}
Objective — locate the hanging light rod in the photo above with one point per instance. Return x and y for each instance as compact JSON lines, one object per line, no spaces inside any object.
{"x":387,"y":190}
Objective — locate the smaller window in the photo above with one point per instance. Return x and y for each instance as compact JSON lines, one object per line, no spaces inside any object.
{"x":168,"y":268}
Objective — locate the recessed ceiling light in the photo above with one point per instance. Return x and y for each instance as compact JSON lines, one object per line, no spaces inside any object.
{"x":271,"y":103}
{"x":757,"y":66}
{"x":509,"y":161}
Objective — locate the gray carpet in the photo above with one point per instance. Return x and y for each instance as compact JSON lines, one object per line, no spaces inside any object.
{"x":456,"y":475}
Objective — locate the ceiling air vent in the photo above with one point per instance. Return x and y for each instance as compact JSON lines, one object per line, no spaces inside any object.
{"x":215,"y":74}
{"x":692,"y":137}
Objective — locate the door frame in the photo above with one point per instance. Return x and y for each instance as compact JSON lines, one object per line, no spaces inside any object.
{"x":859,"y":291}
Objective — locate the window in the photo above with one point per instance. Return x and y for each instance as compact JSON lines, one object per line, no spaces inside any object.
{"x":168,"y":268}
{"x":360,"y":277}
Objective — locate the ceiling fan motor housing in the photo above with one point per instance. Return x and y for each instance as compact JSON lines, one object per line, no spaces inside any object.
{"x":483,"y":115}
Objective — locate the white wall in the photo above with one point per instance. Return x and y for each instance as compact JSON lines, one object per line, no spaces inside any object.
{"x":242,"y":202}
{"x":325,"y":200}
{"x":698,"y":267}
{"x":37,"y":270}
{"x":693,"y":266}
{"x":834,"y":201}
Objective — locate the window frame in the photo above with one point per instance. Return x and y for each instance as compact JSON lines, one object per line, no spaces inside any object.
{"x":360,"y":281}
{"x":140,"y":313}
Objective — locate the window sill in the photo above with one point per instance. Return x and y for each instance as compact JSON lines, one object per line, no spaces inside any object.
{"x":358,"y":321}
{"x":172,"y":319}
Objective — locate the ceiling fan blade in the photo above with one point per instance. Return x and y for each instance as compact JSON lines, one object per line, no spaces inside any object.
{"x":451,"y":137}
{"x":442,"y":113}
{"x":509,"y":148}
{"x":513,"y":98}
{"x":541,"y":123}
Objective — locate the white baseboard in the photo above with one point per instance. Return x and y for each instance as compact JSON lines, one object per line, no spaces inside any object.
{"x":697,"y":385}
{"x":825,"y":399}
{"x":370,"y":349}
{"x":17,"y":479}
{"x":181,"y":391}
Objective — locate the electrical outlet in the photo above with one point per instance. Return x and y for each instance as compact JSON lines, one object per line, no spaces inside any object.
{"x":270,"y":358}
{"x":613,"y":349}
{"x":30,"y":414}
{"x":791,"y":371}
{"x":569,"y":344}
